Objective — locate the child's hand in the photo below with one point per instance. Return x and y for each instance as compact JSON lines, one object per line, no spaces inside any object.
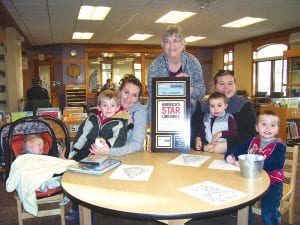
{"x":216,"y":136}
{"x":253,"y":150}
{"x":231,"y":160}
{"x":62,"y":153}
{"x":96,"y":150}
{"x":198,"y":144}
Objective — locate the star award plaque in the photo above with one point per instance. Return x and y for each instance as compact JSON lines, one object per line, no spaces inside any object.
{"x":170,"y":122}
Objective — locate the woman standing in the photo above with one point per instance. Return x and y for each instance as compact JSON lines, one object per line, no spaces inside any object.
{"x":130,"y":91}
{"x":240,"y":108}
{"x":176,"y":62}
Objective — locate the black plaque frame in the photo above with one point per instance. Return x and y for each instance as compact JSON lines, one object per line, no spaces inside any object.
{"x":170,"y":122}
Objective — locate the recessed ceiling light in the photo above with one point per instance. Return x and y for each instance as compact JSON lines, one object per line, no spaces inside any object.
{"x":139,"y":37}
{"x":174,"y":17}
{"x":243,"y":22}
{"x":193,"y":38}
{"x":93,"y":13}
{"x":82,"y":35}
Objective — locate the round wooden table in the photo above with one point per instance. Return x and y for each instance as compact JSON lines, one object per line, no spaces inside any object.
{"x":159,"y":198}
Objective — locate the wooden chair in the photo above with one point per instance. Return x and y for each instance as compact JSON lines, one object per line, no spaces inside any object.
{"x":287,"y":203}
{"x":47,"y":201}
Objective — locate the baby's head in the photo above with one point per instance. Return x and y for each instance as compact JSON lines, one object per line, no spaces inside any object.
{"x":217,"y":103}
{"x":108,"y":102}
{"x":267,"y":124}
{"x":33,"y":144}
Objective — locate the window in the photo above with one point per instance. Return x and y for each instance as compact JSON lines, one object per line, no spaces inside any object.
{"x":270,"y":69}
{"x":228,"y":60}
{"x":137,"y":67}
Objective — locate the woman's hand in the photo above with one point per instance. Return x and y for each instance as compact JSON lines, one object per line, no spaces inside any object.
{"x":209,"y":147}
{"x":198,"y":144}
{"x":182,"y":75}
{"x":216,"y":136}
{"x":96,"y":150}
{"x":216,"y":147}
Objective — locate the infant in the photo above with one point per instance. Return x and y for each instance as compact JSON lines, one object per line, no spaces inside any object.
{"x":34,"y":144}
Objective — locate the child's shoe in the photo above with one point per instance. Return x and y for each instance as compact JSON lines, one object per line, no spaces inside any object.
{"x":71,"y":216}
{"x":64,"y":201}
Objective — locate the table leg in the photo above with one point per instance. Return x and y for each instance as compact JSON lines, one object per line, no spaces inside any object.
{"x":243,"y":215}
{"x":85,"y":215}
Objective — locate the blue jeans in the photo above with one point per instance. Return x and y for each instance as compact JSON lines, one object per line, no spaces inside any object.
{"x":270,"y":203}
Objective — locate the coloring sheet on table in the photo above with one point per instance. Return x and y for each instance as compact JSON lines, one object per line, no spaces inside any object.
{"x":222,"y":165}
{"x":213,"y":193}
{"x":132,"y":172}
{"x":189,"y":160}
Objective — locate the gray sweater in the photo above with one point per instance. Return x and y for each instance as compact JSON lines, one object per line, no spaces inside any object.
{"x":190,"y":66}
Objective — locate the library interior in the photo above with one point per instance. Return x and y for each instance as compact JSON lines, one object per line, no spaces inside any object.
{"x":39,"y":47}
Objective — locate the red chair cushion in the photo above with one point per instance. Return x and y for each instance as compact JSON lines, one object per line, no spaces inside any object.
{"x":18,"y":142}
{"x":48,"y":193}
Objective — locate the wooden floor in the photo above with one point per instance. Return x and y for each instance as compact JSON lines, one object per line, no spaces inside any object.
{"x":8,"y":213}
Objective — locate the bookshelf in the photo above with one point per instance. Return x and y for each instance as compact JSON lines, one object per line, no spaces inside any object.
{"x":72,"y":127}
{"x":289,"y":122}
{"x":3,"y":80}
{"x":293,"y":72}
{"x":75,"y":95}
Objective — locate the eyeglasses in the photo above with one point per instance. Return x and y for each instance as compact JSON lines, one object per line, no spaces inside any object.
{"x":174,"y":41}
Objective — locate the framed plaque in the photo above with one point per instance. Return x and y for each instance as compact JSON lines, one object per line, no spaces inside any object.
{"x":170,"y":122}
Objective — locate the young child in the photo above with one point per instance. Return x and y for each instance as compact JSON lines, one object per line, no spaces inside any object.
{"x":34,"y":144}
{"x":217,"y":125}
{"x":109,"y":123}
{"x":266,"y":144}
{"x":33,"y":171}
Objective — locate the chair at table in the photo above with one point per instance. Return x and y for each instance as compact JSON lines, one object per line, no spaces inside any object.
{"x":14,"y":145}
{"x":287,"y":203}
{"x":3,"y":135}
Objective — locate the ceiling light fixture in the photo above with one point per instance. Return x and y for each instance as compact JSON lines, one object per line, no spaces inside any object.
{"x":82,"y":35}
{"x":174,"y":17}
{"x":243,"y":22}
{"x":93,"y":13}
{"x":139,"y":37}
{"x":204,"y":4}
{"x":193,"y":38}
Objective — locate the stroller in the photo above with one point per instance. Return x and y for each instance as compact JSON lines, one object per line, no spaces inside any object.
{"x":11,"y":142}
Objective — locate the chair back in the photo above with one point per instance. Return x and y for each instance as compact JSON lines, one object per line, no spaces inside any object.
{"x":289,"y":187}
{"x":3,"y":130}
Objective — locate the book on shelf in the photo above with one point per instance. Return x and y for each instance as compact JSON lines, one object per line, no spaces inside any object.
{"x":75,"y":116}
{"x":94,"y":169}
{"x":71,"y":118}
{"x":18,"y":115}
{"x":70,"y":110}
{"x":292,"y":130}
{"x":82,"y":116}
{"x":54,"y":112}
{"x":5,"y":117}
{"x":93,"y":159}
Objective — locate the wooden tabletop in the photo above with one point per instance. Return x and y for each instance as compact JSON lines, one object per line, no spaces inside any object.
{"x":159,"y":197}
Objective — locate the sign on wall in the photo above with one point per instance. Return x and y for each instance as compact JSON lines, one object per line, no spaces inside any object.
{"x":170,"y":122}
